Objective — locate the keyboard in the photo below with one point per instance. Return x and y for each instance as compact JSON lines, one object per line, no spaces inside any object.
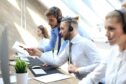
{"x":36,"y":61}
{"x":48,"y":69}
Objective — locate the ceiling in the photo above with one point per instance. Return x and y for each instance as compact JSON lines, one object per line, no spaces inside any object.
{"x":91,"y":12}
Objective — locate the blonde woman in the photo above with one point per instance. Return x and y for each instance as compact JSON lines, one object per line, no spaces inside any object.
{"x":113,"y":69}
{"x":42,"y":33}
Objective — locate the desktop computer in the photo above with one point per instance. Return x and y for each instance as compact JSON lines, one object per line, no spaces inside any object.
{"x":4,"y":61}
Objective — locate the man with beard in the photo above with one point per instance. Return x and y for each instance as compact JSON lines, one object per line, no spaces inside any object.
{"x":81,"y":53}
{"x":54,"y":16}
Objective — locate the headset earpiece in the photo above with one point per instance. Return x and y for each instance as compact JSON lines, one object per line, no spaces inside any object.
{"x":69,"y":22}
{"x":59,"y":19}
{"x":70,"y":28}
{"x":123,"y":20}
{"x":124,"y":28}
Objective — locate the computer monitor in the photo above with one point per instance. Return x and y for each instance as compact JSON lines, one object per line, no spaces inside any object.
{"x":4,"y":61}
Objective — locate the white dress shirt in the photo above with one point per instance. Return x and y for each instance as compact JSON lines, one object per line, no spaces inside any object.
{"x":113,"y":69}
{"x":43,"y":42}
{"x":84,"y":55}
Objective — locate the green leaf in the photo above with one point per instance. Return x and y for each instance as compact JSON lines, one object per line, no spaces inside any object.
{"x":21,"y":66}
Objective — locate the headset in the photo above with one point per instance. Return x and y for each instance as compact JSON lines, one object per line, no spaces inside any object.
{"x":123,"y":20}
{"x":56,"y":14}
{"x":70,"y":28}
{"x":69,"y":20}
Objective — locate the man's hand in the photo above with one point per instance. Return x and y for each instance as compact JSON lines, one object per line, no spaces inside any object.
{"x":72,"y":68}
{"x":33,"y":51}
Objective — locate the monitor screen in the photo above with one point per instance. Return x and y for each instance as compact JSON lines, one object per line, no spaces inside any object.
{"x":4,"y":61}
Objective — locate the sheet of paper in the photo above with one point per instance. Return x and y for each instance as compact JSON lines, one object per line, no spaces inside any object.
{"x":12,"y":79}
{"x":16,"y":47}
{"x":52,"y":77}
{"x":13,"y":63}
{"x":39,"y":71}
{"x":1,"y":81}
{"x":24,"y":58}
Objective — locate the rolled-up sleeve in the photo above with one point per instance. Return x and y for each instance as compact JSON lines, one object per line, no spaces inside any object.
{"x":95,"y":76}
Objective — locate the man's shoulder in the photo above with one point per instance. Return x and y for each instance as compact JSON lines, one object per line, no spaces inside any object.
{"x":84,"y":39}
{"x":55,"y":29}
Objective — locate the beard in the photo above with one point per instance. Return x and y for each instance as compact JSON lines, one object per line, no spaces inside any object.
{"x":66,"y":37}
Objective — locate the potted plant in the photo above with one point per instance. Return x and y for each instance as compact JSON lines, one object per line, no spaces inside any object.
{"x":21,"y":71}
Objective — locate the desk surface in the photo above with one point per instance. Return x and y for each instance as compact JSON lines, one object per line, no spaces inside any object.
{"x":71,"y":80}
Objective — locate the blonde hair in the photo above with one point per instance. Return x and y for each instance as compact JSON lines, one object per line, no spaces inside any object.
{"x":43,"y":31}
{"x":114,"y":14}
{"x":76,"y":18}
{"x":120,"y":16}
{"x":123,"y":5}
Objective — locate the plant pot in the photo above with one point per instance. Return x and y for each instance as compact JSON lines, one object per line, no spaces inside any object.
{"x":22,"y":78}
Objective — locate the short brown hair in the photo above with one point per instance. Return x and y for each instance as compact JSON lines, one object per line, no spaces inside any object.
{"x":55,"y":11}
{"x":71,"y":20}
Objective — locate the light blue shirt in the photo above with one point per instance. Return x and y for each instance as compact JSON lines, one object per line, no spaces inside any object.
{"x":52,"y":42}
{"x":54,"y":36}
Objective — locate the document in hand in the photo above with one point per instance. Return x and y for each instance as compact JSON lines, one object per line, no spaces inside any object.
{"x":16,"y":47}
{"x":12,"y":79}
{"x":52,"y":77}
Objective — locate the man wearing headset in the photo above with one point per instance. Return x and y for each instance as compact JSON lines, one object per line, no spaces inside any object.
{"x":54,"y":16}
{"x":82,"y":55}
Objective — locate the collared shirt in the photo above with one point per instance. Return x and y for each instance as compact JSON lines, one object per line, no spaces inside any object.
{"x":43,"y":42}
{"x":53,"y":39}
{"x":113,"y":69}
{"x":84,"y":55}
{"x":54,"y":35}
{"x":82,"y":33}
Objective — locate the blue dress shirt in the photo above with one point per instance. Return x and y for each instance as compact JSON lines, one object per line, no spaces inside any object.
{"x":53,"y":39}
